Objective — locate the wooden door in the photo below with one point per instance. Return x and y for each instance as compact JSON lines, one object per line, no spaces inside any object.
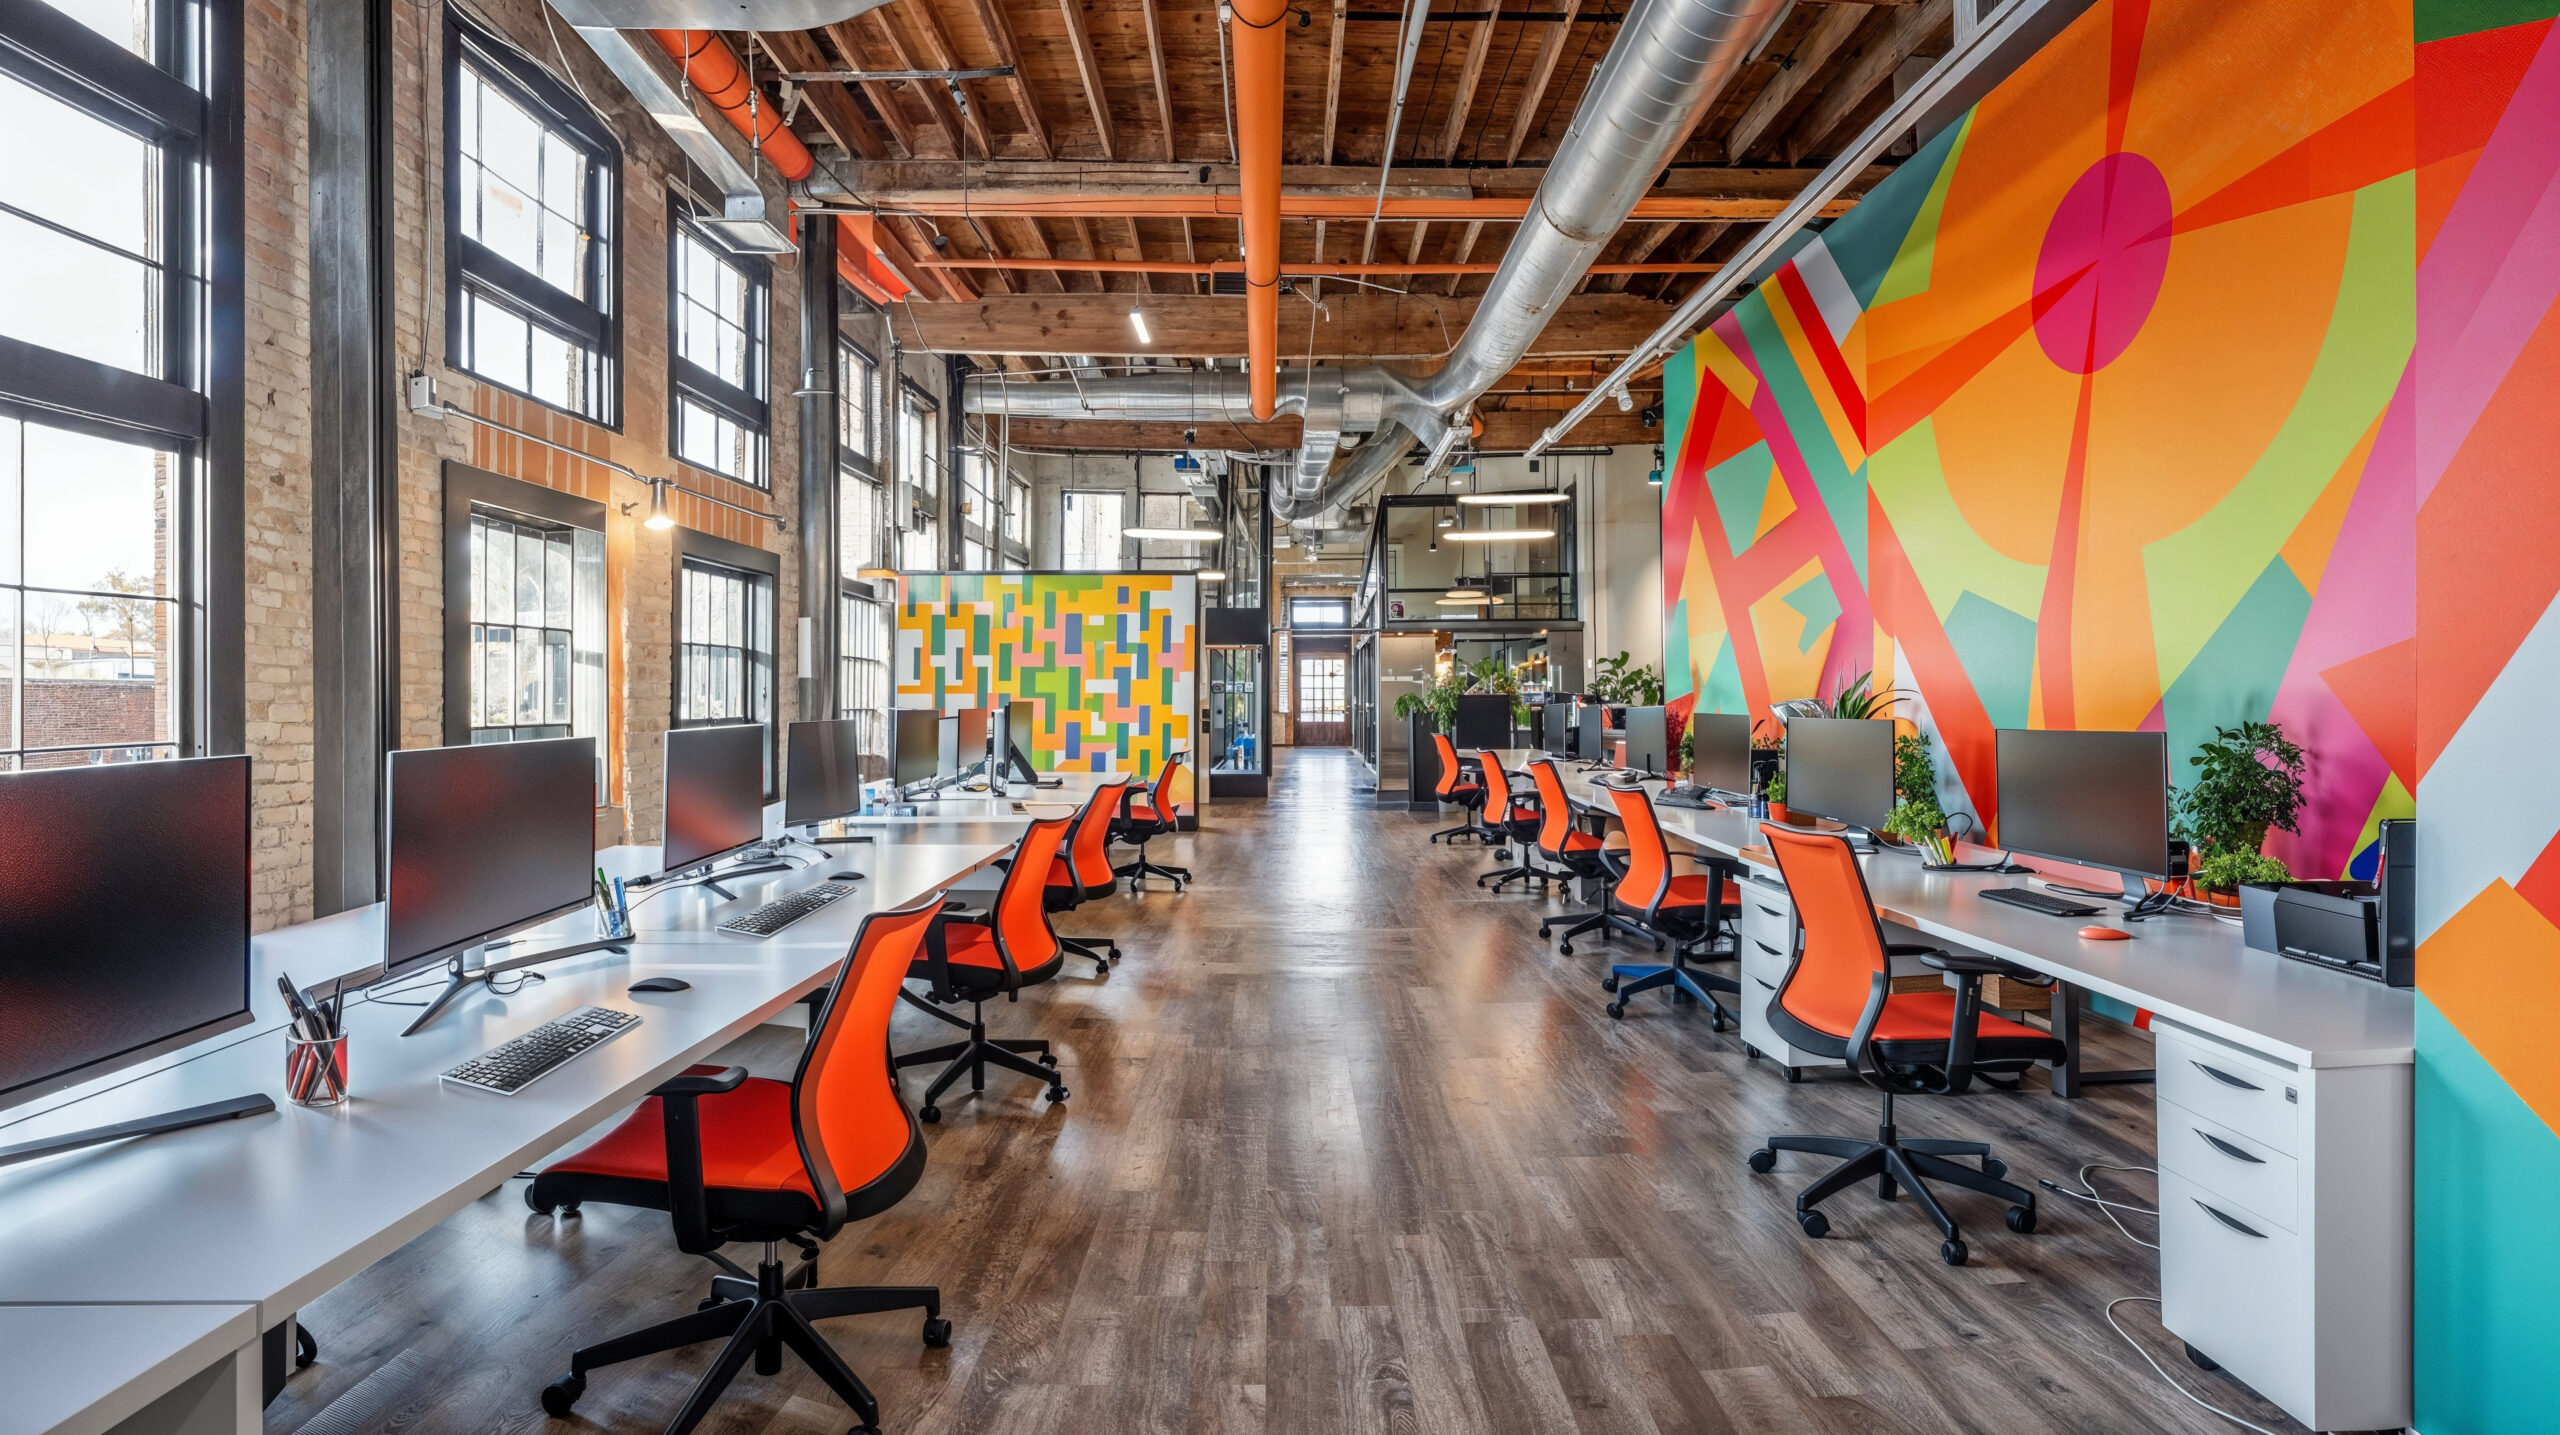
{"x":1321,"y":693}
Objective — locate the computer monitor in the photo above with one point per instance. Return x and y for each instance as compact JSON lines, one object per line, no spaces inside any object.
{"x":1648,"y":741}
{"x":715,"y":794}
{"x":124,"y":916}
{"x":2099,"y":799}
{"x":1720,"y":752}
{"x":972,"y":726}
{"x":1841,"y":768}
{"x":484,"y":839}
{"x":1021,"y":727}
{"x":821,"y":771}
{"x":1556,"y":725}
{"x":946,"y":747}
{"x":1593,"y":720}
{"x":915,"y":745}
{"x":999,"y":740}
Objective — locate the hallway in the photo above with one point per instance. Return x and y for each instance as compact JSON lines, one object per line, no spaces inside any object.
{"x":1350,"y":1150}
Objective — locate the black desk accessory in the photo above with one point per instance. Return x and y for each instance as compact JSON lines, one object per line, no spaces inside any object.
{"x":661,"y":984}
{"x":238,"y":1106}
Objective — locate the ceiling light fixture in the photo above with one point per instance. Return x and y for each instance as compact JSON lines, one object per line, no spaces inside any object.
{"x":1174,"y":535}
{"x":1212,"y":575}
{"x":1501,"y":535}
{"x":1513,"y":500}
{"x":1138,"y":322}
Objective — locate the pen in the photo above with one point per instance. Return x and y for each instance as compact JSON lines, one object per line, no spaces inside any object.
{"x":305,"y":1020}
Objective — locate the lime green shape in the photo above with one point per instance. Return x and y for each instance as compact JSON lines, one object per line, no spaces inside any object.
{"x":1909,"y":272}
{"x":2197,"y":574}
{"x":1910,"y":486}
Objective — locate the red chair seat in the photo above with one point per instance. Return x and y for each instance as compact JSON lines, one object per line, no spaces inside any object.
{"x":1692,"y":890}
{"x":747,"y":1142}
{"x":1907,"y":1016}
{"x":1144,"y":811}
{"x":1523,"y":814}
{"x":1581,"y":842}
{"x":971,"y":945}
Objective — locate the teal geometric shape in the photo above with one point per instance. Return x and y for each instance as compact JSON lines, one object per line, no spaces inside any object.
{"x":1997,"y":649}
{"x":1675,"y":650}
{"x":2234,"y":675}
{"x":1738,"y":487}
{"x":1842,"y":486}
{"x":1865,"y":240}
{"x":2487,"y":1305}
{"x":1820,"y":606}
{"x":1723,"y":692}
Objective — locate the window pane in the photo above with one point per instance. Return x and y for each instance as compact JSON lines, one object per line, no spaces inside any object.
{"x":95,"y":513}
{"x":529,"y":706}
{"x":498,"y":344}
{"x":555,"y":676}
{"x":89,"y":303}
{"x":502,"y":679}
{"x":127,"y":22}
{"x":86,"y":175}
{"x":557,"y":596}
{"x":529,"y":566}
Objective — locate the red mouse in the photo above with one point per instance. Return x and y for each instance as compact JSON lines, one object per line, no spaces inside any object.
{"x":2106,"y":934}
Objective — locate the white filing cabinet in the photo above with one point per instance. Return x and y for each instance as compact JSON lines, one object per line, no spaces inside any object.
{"x":1765,"y":935}
{"x":2284,"y":1246}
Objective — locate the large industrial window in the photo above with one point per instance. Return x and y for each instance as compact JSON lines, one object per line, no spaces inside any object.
{"x":858,"y":522}
{"x":531,"y":188}
{"x":920,"y":475}
{"x":117,"y":216}
{"x":857,"y":402}
{"x":1171,"y":511}
{"x":858,"y":507}
{"x":1017,"y":512}
{"x":717,"y":306}
{"x":536,"y":597}
{"x":862,"y":679}
{"x":1089,"y":531}
{"x":724,"y":649}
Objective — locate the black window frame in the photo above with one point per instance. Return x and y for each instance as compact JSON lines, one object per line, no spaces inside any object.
{"x":692,"y":547}
{"x":185,"y":98}
{"x":472,"y":267}
{"x":867,"y":462}
{"x":750,"y":408}
{"x":469,"y":491}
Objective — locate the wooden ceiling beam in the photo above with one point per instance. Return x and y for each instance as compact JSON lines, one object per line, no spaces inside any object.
{"x":1866,"y":67}
{"x":1470,"y":72}
{"x":1792,"y":87}
{"x":1155,"y":63}
{"x":1039,"y":248}
{"x":1639,"y":249}
{"x":848,"y":43}
{"x":834,"y":109}
{"x":999,"y":30}
{"x":1097,"y":95}
{"x":937,"y":100}
{"x":1466,"y":251}
{"x":1365,"y":325}
{"x":1505,"y":431}
{"x":1332,"y":83}
{"x":1533,"y":91}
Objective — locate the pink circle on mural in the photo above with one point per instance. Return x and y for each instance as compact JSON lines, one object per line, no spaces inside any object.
{"x":2103,"y":257}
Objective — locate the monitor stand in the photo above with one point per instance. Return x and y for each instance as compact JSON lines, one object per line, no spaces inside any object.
{"x":473,"y":968}
{"x":2139,"y":902}
{"x":257,"y":1104}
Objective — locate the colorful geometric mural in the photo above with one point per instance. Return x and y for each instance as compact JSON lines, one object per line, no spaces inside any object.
{"x":2094,"y":415}
{"x":2487,"y":478}
{"x":1107,"y":656}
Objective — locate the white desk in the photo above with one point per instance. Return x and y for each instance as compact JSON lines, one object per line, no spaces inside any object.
{"x":954,"y":805}
{"x":2302,"y":1287}
{"x":266,"y":1213}
{"x":168,"y":1369}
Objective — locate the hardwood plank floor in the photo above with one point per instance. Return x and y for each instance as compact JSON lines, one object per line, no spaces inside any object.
{"x":1350,"y":1150}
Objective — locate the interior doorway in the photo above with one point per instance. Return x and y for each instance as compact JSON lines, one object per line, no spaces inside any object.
{"x":1322,"y":692}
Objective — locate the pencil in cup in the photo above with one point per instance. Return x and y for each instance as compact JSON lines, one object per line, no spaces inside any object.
{"x":315,"y":1071}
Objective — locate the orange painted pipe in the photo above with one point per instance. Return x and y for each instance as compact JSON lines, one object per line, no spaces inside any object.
{"x":1260,"y":46}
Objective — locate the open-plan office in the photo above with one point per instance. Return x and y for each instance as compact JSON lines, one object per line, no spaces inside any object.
{"x":980,"y":715}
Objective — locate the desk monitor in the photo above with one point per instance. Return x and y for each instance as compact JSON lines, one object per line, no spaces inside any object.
{"x":821,"y":771}
{"x":124,"y":917}
{"x":999,"y":741}
{"x":2099,"y":799}
{"x":1720,"y":752}
{"x":1556,"y":725}
{"x":1020,"y":726}
{"x":971,"y":724}
{"x":915,"y":745}
{"x":946,"y":746}
{"x":715,"y":793}
{"x":1587,"y":737}
{"x":1648,"y":741}
{"x":485,"y":838}
{"x":1841,"y":768}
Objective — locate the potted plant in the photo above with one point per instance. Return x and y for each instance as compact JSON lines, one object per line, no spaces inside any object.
{"x":2248,"y":779}
{"x":1859,"y":697}
{"x":1778,"y":798}
{"x":1620,"y":682}
{"x":1916,"y":815}
{"x":2219,"y":876}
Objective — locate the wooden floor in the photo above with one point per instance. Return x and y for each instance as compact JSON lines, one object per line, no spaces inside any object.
{"x":1351,"y":1150}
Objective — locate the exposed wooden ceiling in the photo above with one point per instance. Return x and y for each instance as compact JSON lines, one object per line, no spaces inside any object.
{"x":1109,"y":142}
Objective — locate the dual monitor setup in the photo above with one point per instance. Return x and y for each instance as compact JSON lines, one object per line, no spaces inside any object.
{"x":928,"y":749}
{"x":1583,"y":726}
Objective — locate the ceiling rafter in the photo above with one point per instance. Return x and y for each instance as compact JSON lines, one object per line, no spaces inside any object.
{"x":1333,"y":82}
{"x":1155,"y":63}
{"x":1009,"y":55}
{"x":1533,"y":91}
{"x":1793,"y":86}
{"x":884,"y":100}
{"x":937,"y":101}
{"x":1096,"y":94}
{"x":946,"y":56}
{"x":1470,"y":73}
{"x":1868,"y":66}
{"x":828,"y":102}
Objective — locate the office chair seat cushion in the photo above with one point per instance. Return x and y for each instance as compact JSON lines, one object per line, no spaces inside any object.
{"x":1912,"y":1030}
{"x":751,"y":1163}
{"x":1528,"y":815}
{"x":971,"y":951}
{"x":1694,"y":890}
{"x":1145,"y":811}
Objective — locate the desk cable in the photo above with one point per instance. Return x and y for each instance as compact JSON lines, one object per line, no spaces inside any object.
{"x":2089,"y":1192}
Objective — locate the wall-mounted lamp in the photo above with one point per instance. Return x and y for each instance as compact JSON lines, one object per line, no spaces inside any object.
{"x":658,"y":517}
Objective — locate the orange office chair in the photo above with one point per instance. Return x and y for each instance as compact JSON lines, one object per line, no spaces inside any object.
{"x":1083,"y":871}
{"x":732,"y":1157}
{"x":1576,"y":852}
{"x":1514,"y":820}
{"x":1455,"y":787}
{"x":1685,"y":912}
{"x":1145,"y":817}
{"x":971,"y":958}
{"x":1837,"y":1000}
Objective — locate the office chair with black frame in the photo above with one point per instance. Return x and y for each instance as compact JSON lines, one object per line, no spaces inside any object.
{"x":1514,"y":821}
{"x":1144,"y":817}
{"x":732,"y":1157}
{"x":1837,"y":1000}
{"x":974,"y":957}
{"x":1684,"y":912}
{"x":1083,"y":872}
{"x":1573,"y":851}
{"x":1453,"y":786}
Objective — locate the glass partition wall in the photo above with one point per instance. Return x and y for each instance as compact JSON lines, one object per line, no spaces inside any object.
{"x":1435,"y":561}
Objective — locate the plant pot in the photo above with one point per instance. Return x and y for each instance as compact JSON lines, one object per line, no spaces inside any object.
{"x":1778,"y":814}
{"x":2220,"y":897}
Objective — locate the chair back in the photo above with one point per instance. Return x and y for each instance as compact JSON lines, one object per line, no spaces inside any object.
{"x":1021,"y":918}
{"x":1162,"y":793}
{"x":1555,"y":811}
{"x":1648,"y":876}
{"x":1449,"y":768}
{"x":1838,"y":980}
{"x":1497,"y":790}
{"x":1089,"y":849}
{"x":842,"y":1097}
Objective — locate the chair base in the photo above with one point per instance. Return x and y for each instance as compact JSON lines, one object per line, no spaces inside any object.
{"x":1628,"y":979}
{"x":973,"y":1056}
{"x":1102,"y":950}
{"x":1502,"y":877}
{"x":1896,"y":1165}
{"x":758,"y":1319}
{"x":1464,"y":829}
{"x":1139,"y":871}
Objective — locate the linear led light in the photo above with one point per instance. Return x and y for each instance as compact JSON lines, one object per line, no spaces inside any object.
{"x":1174,"y":535}
{"x":1499,"y":535}
{"x":1138,"y":322}
{"x":1467,"y":595}
{"x":1211,"y":575}
{"x":1522,"y":500}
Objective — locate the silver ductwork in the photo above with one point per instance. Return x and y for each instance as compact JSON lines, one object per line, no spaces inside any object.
{"x":765,"y":15}
{"x":1670,"y":61}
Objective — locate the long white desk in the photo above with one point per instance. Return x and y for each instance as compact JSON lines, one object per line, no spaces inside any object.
{"x":265,"y":1213}
{"x":2284,"y":1103}
{"x":85,"y":1369}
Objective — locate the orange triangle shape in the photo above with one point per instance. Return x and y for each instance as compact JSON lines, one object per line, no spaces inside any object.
{"x":2379,"y":692}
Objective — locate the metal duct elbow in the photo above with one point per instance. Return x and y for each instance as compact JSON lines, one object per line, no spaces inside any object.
{"x":1260,"y":64}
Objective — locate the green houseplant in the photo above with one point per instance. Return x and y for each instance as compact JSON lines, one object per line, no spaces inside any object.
{"x":1622,"y":680}
{"x":2248,"y":779}
{"x":1777,"y":793}
{"x":1916,"y":814}
{"x":2223,"y":872}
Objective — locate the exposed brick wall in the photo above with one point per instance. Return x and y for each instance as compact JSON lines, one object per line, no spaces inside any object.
{"x":62,"y":712}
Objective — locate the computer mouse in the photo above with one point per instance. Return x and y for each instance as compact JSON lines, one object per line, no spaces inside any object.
{"x":844,"y":876}
{"x":662,"y":984}
{"x":2105,"y":934}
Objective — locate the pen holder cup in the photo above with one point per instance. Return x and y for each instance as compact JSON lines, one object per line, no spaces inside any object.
{"x":613,"y":924}
{"x":315,"y":1072}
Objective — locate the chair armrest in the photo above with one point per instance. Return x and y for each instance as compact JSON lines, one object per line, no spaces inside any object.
{"x":1967,"y":964}
{"x":691,"y":1085}
{"x":688,"y":1204}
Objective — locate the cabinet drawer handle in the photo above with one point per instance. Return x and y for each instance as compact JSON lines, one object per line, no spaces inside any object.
{"x":1770,"y":911}
{"x":1764,"y":986}
{"x":2227,"y":1149}
{"x":2241,"y":1226}
{"x":2226,"y":1078}
{"x":1764,"y":946}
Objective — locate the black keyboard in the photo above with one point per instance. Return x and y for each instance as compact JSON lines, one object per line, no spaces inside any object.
{"x":2035,"y":901}
{"x":781,"y":912}
{"x":1688,"y":797}
{"x":513,"y":1065}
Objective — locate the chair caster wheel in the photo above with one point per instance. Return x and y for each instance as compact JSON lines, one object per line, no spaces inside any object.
{"x":937,"y":1332}
{"x":1994,"y":1167}
{"x":2022,"y":1219}
{"x":1115,"y":954}
{"x":929,"y":1114}
{"x":1057,"y":1093}
{"x":2199,"y":1359}
{"x":1816,"y":1224}
{"x":1608,"y":983}
{"x":1751,"y":1051}
{"x":1953,"y":1253}
{"x":1717,"y":1022}
{"x":1617,"y":1011}
{"x":1794,"y":1074}
{"x":561,"y":1395}
{"x":1764,"y":1160}
{"x":1565,"y":947}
